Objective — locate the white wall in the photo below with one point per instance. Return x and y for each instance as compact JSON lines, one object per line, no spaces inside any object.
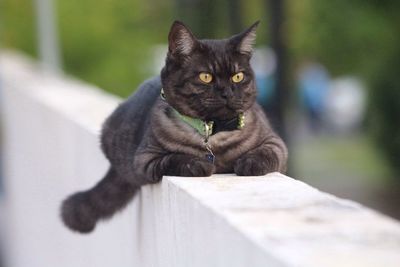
{"x":51,"y":147}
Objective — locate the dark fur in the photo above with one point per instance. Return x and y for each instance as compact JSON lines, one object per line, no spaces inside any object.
{"x":144,"y":140}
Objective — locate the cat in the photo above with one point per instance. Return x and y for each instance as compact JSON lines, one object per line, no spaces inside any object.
{"x":199,"y":117}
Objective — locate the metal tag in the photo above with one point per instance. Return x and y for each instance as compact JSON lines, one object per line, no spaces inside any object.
{"x":210,"y":157}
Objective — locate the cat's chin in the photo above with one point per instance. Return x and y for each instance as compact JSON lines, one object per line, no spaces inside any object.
{"x":224,"y":114}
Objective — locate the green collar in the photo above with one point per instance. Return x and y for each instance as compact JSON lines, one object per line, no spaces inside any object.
{"x":205,"y":128}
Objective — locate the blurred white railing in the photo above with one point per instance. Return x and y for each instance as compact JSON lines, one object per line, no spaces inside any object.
{"x":51,"y":148}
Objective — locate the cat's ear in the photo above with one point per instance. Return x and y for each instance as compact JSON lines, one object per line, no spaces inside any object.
{"x":181,"y":41}
{"x":244,"y":41}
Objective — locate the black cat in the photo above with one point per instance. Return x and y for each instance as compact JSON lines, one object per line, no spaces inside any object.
{"x":198,"y":118}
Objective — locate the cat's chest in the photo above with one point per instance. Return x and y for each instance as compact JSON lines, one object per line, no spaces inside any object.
{"x":222,"y":140}
{"x":227,"y":147}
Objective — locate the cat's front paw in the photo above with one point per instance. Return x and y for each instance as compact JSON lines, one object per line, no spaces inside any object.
{"x":250,"y":166}
{"x":184,"y":165}
{"x":197,"y":168}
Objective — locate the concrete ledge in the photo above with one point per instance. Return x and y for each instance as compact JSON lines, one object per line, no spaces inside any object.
{"x":50,"y":127}
{"x":284,"y":222}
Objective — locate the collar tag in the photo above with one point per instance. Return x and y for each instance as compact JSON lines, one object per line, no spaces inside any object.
{"x":208,"y":128}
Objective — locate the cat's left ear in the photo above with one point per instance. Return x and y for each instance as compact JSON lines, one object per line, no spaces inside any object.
{"x":181,"y":40}
{"x":244,"y":41}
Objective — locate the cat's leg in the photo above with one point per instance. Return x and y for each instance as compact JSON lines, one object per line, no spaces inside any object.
{"x":270,"y":156}
{"x":152,"y":167}
{"x":82,"y":210}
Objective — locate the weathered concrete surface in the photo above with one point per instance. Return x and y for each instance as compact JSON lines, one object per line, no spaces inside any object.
{"x":293,"y":222}
{"x":51,"y":148}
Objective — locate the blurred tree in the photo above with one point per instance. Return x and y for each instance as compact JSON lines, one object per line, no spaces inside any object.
{"x":17,"y":25}
{"x":277,"y":12}
{"x":385,"y":93}
{"x":235,"y":16}
{"x":199,"y":15}
{"x":109,"y":43}
{"x":348,"y":36}
{"x":385,"y":110}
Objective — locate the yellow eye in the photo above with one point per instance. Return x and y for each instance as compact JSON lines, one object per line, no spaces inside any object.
{"x":238,"y":77}
{"x":205,"y":77}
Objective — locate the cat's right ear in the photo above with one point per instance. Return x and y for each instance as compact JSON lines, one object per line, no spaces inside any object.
{"x":244,"y":41}
{"x":181,"y":41}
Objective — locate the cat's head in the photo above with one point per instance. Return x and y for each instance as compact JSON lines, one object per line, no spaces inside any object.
{"x":209,"y":79}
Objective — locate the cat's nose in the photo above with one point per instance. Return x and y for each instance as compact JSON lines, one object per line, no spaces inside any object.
{"x":226,"y":92}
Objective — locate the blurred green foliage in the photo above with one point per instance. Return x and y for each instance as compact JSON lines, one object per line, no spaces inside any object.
{"x":357,"y":37}
{"x":347,"y":36}
{"x":109,"y":43}
{"x":17,"y":25}
{"x":385,"y":110}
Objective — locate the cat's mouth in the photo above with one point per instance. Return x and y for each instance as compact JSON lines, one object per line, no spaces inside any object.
{"x":223,"y":108}
{"x":236,"y":105}
{"x":230,"y":104}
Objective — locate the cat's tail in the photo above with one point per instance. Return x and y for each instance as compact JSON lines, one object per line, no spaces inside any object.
{"x":81,"y":211}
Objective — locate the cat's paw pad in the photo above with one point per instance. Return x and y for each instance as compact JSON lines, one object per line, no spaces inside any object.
{"x":250,"y":166}
{"x":196,"y":168}
{"x":77,"y":214}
